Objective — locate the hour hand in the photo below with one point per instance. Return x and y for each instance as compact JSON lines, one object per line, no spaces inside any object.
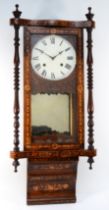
{"x":61,"y":52}
{"x":58,"y":54}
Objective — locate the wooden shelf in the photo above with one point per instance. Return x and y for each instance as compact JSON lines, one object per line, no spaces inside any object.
{"x":54,"y":154}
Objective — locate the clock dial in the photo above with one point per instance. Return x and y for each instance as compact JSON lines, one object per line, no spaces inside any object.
{"x":53,"y":57}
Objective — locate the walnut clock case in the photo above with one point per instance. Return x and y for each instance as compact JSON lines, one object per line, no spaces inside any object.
{"x":53,"y":105}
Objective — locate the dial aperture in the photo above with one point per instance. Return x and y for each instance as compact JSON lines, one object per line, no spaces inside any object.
{"x":56,"y":54}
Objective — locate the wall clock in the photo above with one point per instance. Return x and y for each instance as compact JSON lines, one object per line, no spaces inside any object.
{"x":53,"y":105}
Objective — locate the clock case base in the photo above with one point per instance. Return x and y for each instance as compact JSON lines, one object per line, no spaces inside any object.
{"x":51,"y":182}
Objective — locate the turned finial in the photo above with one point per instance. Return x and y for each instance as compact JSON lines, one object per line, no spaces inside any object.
{"x":90,"y":15}
{"x":15,"y":164}
{"x":17,"y":13}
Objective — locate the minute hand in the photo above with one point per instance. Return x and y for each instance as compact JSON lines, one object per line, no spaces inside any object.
{"x":44,"y":52}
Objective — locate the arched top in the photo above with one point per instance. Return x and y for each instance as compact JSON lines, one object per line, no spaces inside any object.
{"x":52,"y":23}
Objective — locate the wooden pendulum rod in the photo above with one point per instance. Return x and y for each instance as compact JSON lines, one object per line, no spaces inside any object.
{"x":16,"y":14}
{"x":90,"y":107}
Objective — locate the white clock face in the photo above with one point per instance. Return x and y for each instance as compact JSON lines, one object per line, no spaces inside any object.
{"x":53,"y":57}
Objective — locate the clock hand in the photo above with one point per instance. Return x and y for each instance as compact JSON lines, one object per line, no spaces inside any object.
{"x":57,"y":54}
{"x":39,"y":50}
{"x":60,"y":53}
{"x":44,"y":53}
{"x":48,"y":55}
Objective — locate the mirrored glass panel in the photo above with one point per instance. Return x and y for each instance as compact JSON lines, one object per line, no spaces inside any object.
{"x":51,"y":114}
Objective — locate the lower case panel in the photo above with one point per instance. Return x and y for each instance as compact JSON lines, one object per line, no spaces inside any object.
{"x":51,"y":182}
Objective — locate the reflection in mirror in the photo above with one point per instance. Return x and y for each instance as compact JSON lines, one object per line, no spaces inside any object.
{"x":51,"y":114}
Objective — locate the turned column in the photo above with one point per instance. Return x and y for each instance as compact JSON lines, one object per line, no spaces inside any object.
{"x":90,"y":107}
{"x":16,"y":14}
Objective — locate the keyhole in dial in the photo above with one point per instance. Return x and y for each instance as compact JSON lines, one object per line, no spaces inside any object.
{"x":44,"y":64}
{"x":61,"y":64}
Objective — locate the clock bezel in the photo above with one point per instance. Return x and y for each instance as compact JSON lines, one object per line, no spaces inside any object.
{"x":45,"y":47}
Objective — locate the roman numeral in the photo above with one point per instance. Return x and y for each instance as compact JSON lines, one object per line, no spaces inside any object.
{"x":52,"y":39}
{"x":61,"y":43}
{"x":70,"y":58}
{"x":35,"y":58}
{"x":44,"y":42}
{"x":67,"y":49}
{"x":44,"y":73}
{"x":38,"y":66}
{"x":67,"y":66}
{"x":52,"y":76}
